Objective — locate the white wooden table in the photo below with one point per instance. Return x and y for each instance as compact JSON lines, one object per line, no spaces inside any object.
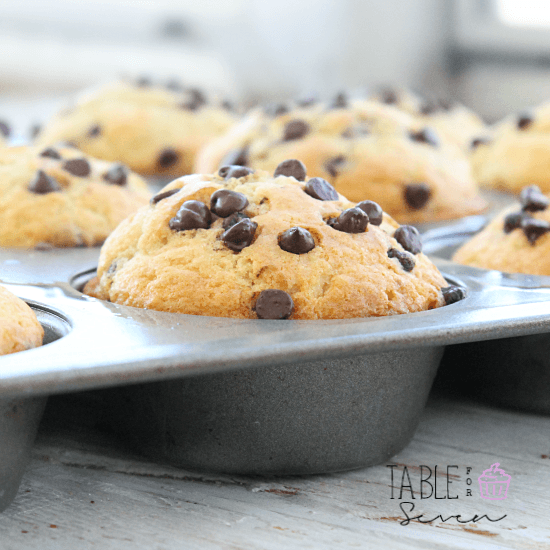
{"x":84,"y":490}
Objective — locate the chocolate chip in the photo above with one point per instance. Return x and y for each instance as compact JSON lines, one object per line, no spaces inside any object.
{"x":275,"y":109}
{"x":373,"y":211}
{"x":167,"y":157}
{"x":5,"y":129}
{"x":51,"y":153}
{"x":291,"y":168}
{"x":164,"y":195}
{"x":476,"y":142}
{"x":452,"y":294}
{"x":426,"y":135}
{"x":409,"y":238}
{"x":224,"y":202}
{"x":321,"y":189}
{"x":191,"y":215}
{"x":233,"y":219}
{"x":274,"y":304}
{"x":35,"y":130}
{"x":143,"y":82}
{"x":240,"y":235}
{"x":524,"y":120}
{"x":389,"y":96}
{"x":340,"y":101}
{"x":534,"y":229}
{"x":532,"y":199}
{"x":405,"y":258}
{"x":296,"y":240}
{"x":228,"y":172}
{"x":94,"y":131}
{"x":295,"y":129}
{"x":117,"y":175}
{"x":417,"y":195}
{"x":227,"y":105}
{"x":236,"y":157}
{"x":42,"y":184}
{"x":195,"y":102}
{"x":334,"y":165}
{"x":352,"y":220}
{"x":77,"y":167}
{"x":513,"y":221}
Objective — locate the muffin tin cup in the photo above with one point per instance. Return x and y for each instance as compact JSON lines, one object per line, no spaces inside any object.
{"x":302,"y":418}
{"x":509,"y":372}
{"x":19,"y":419}
{"x":255,"y":396}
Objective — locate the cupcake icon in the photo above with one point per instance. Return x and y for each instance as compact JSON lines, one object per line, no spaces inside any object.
{"x":494,"y":483}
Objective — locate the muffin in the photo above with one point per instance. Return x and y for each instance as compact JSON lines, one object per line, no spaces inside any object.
{"x":455,"y":121}
{"x":365,"y":149}
{"x":155,"y":130}
{"x":517,"y":154}
{"x":60,"y":197}
{"x":516,"y":241}
{"x":245,"y":244}
{"x":19,"y":327}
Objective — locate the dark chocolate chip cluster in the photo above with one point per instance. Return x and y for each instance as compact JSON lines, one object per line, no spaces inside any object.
{"x":531,"y":200}
{"x":239,"y":229}
{"x":409,"y":238}
{"x":43,"y":183}
{"x":224,"y":203}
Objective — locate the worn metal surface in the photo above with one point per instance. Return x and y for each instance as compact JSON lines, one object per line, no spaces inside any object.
{"x":304,"y":418}
{"x":19,"y":418}
{"x":263,"y":373}
{"x":109,"y":344}
{"x":511,"y":372}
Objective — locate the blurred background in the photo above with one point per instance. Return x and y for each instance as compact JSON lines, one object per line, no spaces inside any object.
{"x":492,"y":55}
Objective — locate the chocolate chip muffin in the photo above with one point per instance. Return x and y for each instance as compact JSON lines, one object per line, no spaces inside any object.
{"x":451,"y":119}
{"x":155,"y":130}
{"x":246,"y":244}
{"x":60,"y":197}
{"x":365,"y":149}
{"x":517,"y":153}
{"x":516,"y":241}
{"x":19,"y":327}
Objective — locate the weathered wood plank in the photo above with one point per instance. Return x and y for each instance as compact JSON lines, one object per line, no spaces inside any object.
{"x":83,"y":490}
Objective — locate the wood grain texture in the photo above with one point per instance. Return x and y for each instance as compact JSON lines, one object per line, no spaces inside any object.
{"x":84,"y":490}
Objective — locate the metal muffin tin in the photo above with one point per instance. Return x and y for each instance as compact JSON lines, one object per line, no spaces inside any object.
{"x":251,"y":396}
{"x":19,"y":419}
{"x":511,"y":371}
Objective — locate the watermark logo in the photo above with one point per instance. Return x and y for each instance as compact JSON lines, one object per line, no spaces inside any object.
{"x":494,"y":483}
{"x":412,"y":485}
